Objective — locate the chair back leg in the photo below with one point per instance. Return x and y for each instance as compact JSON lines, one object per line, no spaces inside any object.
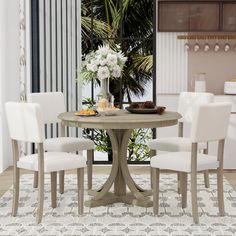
{"x":80,"y":182}
{"x":35,"y":184}
{"x":54,"y":189}
{"x":184,"y":184}
{"x":152,"y":153}
{"x":90,"y":155}
{"x":61,"y":181}
{"x":206,"y":172}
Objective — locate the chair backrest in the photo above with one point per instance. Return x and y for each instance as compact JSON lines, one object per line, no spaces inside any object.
{"x":210,"y":122}
{"x":25,"y":122}
{"x":52,"y":104}
{"x":187,"y":100}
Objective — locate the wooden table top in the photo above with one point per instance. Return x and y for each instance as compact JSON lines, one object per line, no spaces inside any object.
{"x":122,"y":120}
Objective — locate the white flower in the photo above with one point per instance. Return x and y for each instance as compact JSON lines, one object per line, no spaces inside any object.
{"x":103,"y":72}
{"x":92,"y":67}
{"x":103,"y":62}
{"x":111,"y":59}
{"x":88,"y":67}
{"x":116,"y":71}
{"x":103,"y":50}
{"x":95,"y":62}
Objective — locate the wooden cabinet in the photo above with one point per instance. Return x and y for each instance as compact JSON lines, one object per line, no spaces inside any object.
{"x":173,"y":17}
{"x":229,"y":17}
{"x":196,"y":16}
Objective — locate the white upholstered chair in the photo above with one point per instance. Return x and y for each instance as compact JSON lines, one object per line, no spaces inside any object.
{"x":187,"y":101}
{"x":210,"y":123}
{"x":52,"y":104}
{"x":25,"y":124}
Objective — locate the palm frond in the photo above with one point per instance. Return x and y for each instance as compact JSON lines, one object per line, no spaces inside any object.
{"x":100,"y":28}
{"x":144,"y":63}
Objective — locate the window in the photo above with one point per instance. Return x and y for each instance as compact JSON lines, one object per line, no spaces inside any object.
{"x":130,"y":24}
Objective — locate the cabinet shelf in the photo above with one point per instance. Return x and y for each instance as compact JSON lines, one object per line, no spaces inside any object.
{"x":196,"y":16}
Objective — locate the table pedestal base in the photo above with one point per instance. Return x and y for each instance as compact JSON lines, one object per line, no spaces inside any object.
{"x":120,"y":177}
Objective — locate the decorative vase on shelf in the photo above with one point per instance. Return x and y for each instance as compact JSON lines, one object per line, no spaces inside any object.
{"x":104,"y":98}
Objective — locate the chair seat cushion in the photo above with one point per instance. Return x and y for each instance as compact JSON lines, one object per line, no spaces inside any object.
{"x":67,"y":144}
{"x":53,"y":161}
{"x":181,"y":161}
{"x":173,"y":144}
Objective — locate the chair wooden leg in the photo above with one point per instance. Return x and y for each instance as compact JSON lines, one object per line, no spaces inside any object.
{"x":54,"y":189}
{"x":155,"y":181}
{"x":16,"y":184}
{"x":194,"y":197}
{"x":40,"y":198}
{"x":206,"y":173}
{"x":179,"y":183}
{"x":35,"y":185}
{"x":184,"y":184}
{"x":80,"y":182}
{"x":90,"y":154}
{"x":152,"y":154}
{"x":206,"y":179}
{"x":61,"y":181}
{"x":220,"y":191}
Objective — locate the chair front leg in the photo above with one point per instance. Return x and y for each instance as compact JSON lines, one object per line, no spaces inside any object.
{"x":40,"y":183}
{"x":220,"y":191}
{"x":16,"y":178}
{"x":61,"y":181}
{"x":90,"y":155}
{"x":194,"y":151}
{"x":80,"y":182}
{"x":54,"y":189}
{"x":155,"y":188}
{"x":194,"y":197}
{"x":40,"y":197}
{"x":16,"y":185}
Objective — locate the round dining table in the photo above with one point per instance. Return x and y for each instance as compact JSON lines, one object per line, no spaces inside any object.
{"x":119,"y":128}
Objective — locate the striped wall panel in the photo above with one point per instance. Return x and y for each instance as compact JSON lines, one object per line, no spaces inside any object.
{"x":60,"y":50}
{"x":171,"y":64}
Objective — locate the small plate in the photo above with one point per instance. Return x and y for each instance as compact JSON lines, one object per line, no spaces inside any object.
{"x":84,"y":115}
{"x":157,"y":110}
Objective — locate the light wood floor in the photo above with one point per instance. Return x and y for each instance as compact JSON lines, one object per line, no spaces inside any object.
{"x":6,"y":176}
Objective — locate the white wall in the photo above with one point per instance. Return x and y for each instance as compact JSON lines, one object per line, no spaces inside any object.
{"x":9,"y":71}
{"x":171,"y":64}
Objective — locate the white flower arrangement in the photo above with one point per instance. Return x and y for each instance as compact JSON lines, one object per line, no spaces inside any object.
{"x":103,"y":63}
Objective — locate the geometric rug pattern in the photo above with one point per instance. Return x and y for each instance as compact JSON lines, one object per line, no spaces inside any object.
{"x":119,"y":219}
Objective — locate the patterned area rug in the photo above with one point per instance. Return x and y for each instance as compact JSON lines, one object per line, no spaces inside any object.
{"x":119,"y":219}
